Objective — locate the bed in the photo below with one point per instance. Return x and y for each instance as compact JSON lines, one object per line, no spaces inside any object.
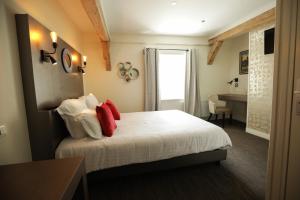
{"x":144,"y":137}
{"x":144,"y":141}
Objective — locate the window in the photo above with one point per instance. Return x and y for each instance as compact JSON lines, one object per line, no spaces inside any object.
{"x":172,"y":65}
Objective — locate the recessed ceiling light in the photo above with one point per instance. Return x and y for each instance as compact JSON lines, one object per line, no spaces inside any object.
{"x":173,"y":3}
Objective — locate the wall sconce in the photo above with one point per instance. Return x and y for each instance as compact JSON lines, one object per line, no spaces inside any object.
{"x":234,"y":81}
{"x":45,"y":55}
{"x":81,"y":68}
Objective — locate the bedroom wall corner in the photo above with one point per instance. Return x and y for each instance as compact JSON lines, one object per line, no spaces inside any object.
{"x":235,"y":46}
{"x":52,"y":15}
{"x":213,"y":78}
{"x":15,"y":146}
{"x":128,"y":96}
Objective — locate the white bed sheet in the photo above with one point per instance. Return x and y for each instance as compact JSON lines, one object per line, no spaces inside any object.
{"x":145,"y":137}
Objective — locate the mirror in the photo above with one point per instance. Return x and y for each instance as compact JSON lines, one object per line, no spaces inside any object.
{"x":66,"y":60}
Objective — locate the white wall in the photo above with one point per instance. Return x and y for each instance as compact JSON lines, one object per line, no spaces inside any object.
{"x":15,"y":147}
{"x":129,"y":97}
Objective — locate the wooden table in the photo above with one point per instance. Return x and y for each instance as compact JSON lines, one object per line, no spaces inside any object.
{"x":61,"y":179}
{"x":233,"y":97}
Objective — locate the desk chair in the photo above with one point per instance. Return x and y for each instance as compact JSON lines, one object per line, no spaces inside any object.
{"x":218,"y":107}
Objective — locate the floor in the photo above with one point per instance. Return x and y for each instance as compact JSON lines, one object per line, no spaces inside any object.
{"x":241,"y":176}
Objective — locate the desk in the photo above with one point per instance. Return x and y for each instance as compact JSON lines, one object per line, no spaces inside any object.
{"x":238,"y":104}
{"x":233,"y":97}
{"x":61,"y":179}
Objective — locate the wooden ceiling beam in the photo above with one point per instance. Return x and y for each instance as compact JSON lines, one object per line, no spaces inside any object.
{"x":106,"y":55}
{"x":95,"y":14}
{"x":258,"y":21}
{"x":213,"y":51}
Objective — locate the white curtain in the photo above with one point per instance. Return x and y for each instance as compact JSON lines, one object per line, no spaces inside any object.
{"x":192,"y":103}
{"x":151,"y":79}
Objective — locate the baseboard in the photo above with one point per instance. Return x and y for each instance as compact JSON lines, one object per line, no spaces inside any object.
{"x":258,"y":133}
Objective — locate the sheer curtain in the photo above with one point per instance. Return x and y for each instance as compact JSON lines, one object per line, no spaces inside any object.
{"x":192,"y":103}
{"x":151,"y":79}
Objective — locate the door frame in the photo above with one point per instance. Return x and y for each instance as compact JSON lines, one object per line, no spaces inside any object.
{"x":285,"y":47}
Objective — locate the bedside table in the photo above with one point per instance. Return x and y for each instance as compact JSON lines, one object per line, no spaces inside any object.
{"x":61,"y":179}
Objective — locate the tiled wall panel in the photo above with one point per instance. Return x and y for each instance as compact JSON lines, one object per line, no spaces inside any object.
{"x":260,"y":83}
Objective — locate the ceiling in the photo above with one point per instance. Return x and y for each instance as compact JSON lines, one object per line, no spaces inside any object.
{"x":160,"y":17}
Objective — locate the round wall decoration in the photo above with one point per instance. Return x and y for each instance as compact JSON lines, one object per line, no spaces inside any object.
{"x":127,"y":71}
{"x":66,"y":60}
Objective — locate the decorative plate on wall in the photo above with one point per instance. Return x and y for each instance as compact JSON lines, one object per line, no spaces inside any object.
{"x":66,"y":60}
{"x":127,"y":71}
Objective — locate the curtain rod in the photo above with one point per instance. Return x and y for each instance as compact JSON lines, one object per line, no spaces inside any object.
{"x":159,"y":43}
{"x":175,"y":49}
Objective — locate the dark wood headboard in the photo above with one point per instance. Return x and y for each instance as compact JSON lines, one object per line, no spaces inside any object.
{"x":45,"y":86}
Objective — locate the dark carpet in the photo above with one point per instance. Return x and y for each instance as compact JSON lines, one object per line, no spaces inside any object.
{"x":247,"y":159}
{"x":241,"y":176}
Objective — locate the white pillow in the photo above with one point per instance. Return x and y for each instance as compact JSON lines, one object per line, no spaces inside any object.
{"x":74,"y":127}
{"x":89,"y":121}
{"x":68,"y":110}
{"x":91,"y":101}
{"x":71,"y":107}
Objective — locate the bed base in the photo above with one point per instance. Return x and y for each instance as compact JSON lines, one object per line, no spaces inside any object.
{"x":172,"y":163}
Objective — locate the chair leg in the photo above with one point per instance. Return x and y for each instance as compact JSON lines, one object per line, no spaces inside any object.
{"x":230,"y":118}
{"x":210,"y":115}
{"x":223,"y":121}
{"x":216,"y":117}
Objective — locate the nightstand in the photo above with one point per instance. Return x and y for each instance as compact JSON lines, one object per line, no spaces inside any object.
{"x":61,"y":179}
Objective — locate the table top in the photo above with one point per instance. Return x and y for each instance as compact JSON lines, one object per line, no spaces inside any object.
{"x":233,"y":97}
{"x":49,"y":179}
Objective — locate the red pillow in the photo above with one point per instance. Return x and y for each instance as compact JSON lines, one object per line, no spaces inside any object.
{"x":106,"y":119}
{"x":113,"y":109}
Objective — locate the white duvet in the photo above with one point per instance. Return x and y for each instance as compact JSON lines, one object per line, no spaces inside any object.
{"x":144,"y":137}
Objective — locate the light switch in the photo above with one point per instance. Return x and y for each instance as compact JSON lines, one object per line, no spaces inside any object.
{"x":3,"y":130}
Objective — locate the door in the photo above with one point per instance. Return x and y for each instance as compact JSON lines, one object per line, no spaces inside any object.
{"x":283,"y":179}
{"x":293,"y":169}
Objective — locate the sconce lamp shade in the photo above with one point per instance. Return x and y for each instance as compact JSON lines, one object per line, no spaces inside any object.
{"x":45,"y":55}
{"x":53,"y":37}
{"x":84,"y":58}
{"x":80,"y":68}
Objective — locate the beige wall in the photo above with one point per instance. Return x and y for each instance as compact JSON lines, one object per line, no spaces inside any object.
{"x":14,"y":147}
{"x":236,"y":45}
{"x":50,"y":14}
{"x":106,"y":84}
{"x":129,"y":97}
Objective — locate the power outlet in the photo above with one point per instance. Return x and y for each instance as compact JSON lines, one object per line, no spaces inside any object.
{"x":3,"y":130}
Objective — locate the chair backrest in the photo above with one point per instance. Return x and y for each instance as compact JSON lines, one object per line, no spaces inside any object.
{"x":213,"y":98}
{"x":212,"y":103}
